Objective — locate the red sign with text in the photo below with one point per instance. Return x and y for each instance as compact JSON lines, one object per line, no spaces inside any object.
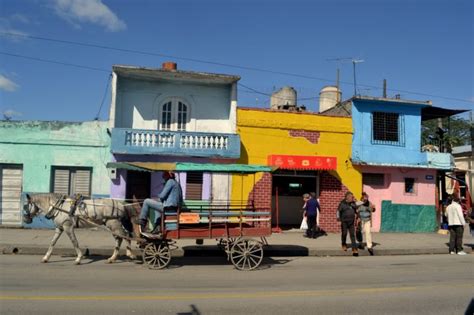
{"x":303,"y":162}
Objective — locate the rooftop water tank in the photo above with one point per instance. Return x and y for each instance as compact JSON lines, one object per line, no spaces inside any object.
{"x":283,"y":98}
{"x":328,"y":97}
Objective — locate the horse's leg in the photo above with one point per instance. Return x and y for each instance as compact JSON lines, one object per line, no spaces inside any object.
{"x":116,"y":227}
{"x":56,"y":236}
{"x":129,"y":250}
{"x":69,"y":229}
{"x":118,"y":242}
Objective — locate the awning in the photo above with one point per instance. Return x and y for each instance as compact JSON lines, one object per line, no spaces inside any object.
{"x":189,"y":167}
{"x":432,"y":112}
{"x":301,"y":162}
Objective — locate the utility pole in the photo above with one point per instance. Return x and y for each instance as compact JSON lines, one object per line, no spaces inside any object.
{"x":384,"y":88}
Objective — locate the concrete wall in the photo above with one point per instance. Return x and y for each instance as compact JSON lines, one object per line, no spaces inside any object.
{"x":394,"y":189}
{"x":407,"y":154}
{"x":138,"y":104}
{"x":39,"y":145}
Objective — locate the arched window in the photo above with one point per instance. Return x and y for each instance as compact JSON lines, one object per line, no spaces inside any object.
{"x":174,"y":115}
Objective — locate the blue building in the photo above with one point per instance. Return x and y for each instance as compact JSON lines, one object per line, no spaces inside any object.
{"x":398,"y":173}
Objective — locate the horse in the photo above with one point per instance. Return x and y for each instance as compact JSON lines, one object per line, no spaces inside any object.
{"x":115,"y":215}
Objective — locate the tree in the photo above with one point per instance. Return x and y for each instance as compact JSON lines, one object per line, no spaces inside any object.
{"x":457,"y":132}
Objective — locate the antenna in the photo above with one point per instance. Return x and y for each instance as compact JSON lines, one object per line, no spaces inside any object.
{"x":338,"y":72}
{"x":354,"y":62}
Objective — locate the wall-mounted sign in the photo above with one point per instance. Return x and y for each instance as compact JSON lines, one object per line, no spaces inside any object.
{"x":429,"y":177}
{"x":300,"y":162}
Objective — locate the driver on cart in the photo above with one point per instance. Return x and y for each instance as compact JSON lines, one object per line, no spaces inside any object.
{"x":170,"y":198}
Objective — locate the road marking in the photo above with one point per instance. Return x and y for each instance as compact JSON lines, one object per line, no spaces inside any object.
{"x":221,"y":296}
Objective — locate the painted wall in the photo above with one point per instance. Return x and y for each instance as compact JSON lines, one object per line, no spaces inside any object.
{"x":138,"y":104}
{"x":407,"y":154}
{"x":38,"y":145}
{"x":265,"y":132}
{"x":394,"y":189}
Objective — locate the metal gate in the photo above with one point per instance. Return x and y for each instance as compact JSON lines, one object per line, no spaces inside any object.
{"x":11,"y":178}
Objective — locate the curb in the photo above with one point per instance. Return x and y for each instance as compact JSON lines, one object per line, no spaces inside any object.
{"x":214,"y":251}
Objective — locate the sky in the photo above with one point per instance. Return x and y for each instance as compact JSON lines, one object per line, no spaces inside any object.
{"x":424,"y":48}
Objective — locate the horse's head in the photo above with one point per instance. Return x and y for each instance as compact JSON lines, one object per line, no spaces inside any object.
{"x":30,"y":210}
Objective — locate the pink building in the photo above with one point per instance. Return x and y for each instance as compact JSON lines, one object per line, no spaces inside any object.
{"x":399,"y":191}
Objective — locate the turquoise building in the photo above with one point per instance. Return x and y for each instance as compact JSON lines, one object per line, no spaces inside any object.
{"x":51,"y":156}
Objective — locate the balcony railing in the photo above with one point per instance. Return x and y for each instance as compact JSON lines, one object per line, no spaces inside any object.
{"x":201,"y":144}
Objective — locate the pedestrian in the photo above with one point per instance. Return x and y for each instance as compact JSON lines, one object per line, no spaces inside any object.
{"x":346,"y":214}
{"x":310,"y":212}
{"x":364,"y":213}
{"x":319,"y":231}
{"x":456,"y":224}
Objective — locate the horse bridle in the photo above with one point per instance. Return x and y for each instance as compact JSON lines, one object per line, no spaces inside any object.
{"x":50,"y":214}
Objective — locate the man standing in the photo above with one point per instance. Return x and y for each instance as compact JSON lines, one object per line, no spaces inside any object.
{"x":456,"y":224}
{"x":311,"y":212}
{"x":364,"y":211}
{"x":346,"y":214}
{"x":171,"y":197}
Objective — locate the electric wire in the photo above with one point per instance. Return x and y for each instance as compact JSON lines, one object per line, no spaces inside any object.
{"x":303,"y":76}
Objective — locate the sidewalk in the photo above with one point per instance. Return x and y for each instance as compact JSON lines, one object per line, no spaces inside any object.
{"x":289,"y":243}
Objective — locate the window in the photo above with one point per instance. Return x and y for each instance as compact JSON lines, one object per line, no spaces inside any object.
{"x":71,"y":180}
{"x":386,"y":128}
{"x":373,"y":179}
{"x":194,"y":182}
{"x":166,"y":116}
{"x":409,"y":185}
{"x":174,"y":115}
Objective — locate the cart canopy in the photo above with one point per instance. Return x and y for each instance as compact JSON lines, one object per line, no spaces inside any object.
{"x":188,"y":167}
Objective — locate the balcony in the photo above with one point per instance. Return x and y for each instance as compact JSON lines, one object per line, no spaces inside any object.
{"x":442,"y":161}
{"x":198,"y":144}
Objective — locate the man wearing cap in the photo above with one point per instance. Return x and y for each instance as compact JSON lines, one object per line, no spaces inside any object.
{"x":170,"y":198}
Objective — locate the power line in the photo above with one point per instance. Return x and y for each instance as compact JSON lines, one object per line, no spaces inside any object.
{"x":84,"y":44}
{"x":103,"y":97}
{"x":54,"y":61}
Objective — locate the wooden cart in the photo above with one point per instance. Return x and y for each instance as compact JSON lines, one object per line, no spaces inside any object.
{"x":240,"y":228}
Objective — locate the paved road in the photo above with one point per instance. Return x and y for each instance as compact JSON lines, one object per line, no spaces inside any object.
{"x":435,"y":284}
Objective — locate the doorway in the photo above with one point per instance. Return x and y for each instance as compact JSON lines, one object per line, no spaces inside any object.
{"x":138,"y":185}
{"x":291,"y":185}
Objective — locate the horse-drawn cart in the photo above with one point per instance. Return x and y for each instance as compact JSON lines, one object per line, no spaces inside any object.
{"x":239,"y":226}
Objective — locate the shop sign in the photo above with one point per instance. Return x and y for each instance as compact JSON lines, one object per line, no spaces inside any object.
{"x":303,"y":162}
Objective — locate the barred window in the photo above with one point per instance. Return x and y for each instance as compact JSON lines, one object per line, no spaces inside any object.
{"x":385,"y":127}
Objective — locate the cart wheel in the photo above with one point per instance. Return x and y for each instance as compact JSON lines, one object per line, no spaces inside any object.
{"x":157,"y":255}
{"x":246,"y":254}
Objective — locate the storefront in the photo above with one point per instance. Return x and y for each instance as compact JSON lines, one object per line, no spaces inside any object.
{"x":311,"y":153}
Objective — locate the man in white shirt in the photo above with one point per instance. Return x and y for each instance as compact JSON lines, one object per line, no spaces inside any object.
{"x":456,"y":224}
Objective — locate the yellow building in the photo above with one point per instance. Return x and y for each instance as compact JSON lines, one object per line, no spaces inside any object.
{"x":312,"y":153}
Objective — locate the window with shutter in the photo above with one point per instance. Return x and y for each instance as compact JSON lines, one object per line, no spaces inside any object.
{"x":61,"y":181}
{"x":71,"y":180}
{"x":194,"y":185}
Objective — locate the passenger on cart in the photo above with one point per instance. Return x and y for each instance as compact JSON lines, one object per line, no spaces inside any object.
{"x":170,"y":198}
